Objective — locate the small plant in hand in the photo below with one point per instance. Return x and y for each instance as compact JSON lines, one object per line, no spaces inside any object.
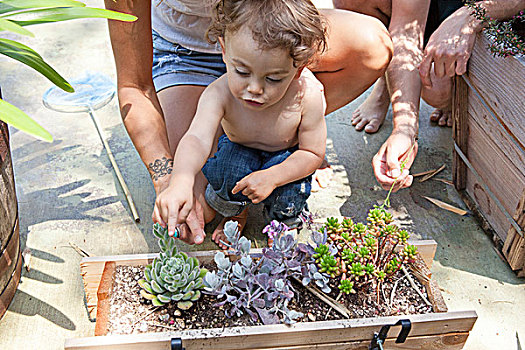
{"x":173,"y":276}
{"x":506,"y":40}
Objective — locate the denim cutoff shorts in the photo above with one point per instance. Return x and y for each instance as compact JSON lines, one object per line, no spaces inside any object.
{"x":176,"y":65}
{"x":232,"y":162}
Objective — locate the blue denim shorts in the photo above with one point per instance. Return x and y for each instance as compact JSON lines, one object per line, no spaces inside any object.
{"x":232,"y":162}
{"x":176,"y":65}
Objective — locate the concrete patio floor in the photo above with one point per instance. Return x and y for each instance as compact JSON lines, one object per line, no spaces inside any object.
{"x":68,"y":193}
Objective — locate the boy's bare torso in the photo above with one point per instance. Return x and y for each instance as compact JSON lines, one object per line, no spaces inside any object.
{"x":271,"y":129}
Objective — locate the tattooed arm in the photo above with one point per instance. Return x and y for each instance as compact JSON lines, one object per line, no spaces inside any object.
{"x":160,"y":168}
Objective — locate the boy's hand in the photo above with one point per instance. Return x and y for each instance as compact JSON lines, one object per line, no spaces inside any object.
{"x":257,"y":186}
{"x":173,"y":205}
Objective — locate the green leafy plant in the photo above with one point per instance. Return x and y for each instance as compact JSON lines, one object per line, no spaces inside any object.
{"x":15,"y":16}
{"x":173,"y":276}
{"x":362,"y":256}
{"x":506,"y":37}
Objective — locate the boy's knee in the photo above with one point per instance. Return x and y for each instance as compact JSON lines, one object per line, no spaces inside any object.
{"x":289,"y":202}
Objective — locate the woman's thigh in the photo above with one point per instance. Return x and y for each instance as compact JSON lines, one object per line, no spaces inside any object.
{"x":179,"y":104}
{"x":358,"y":52}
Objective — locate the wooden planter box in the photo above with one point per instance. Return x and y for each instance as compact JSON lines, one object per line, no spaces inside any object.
{"x":489,"y":135}
{"x":439,"y":330}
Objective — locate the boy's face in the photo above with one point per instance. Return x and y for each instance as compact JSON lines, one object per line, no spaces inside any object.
{"x":259,"y":78}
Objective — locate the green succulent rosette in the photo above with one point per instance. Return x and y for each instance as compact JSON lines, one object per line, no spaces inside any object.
{"x":173,"y":276}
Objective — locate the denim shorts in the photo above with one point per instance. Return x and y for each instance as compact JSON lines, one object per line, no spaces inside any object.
{"x":232,"y":162}
{"x":176,"y":65}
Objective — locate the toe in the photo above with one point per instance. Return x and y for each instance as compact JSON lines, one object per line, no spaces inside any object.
{"x":361,"y":125}
{"x":373,"y":126}
{"x":450,"y":121}
{"x":356,"y":120}
{"x":436,"y":115}
{"x":442,"y":121}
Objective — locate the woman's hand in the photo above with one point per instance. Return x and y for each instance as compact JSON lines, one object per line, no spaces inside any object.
{"x":387,"y":162}
{"x":449,"y":48}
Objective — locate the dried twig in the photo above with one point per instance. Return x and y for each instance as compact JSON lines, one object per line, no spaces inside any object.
{"x":330,"y":309}
{"x":445,"y":181}
{"x":331,"y":302}
{"x":164,"y":326}
{"x":393,"y":293}
{"x":430,"y":175}
{"x":80,"y":251}
{"x":413,"y":284}
{"x":146,"y":315}
{"x":446,"y":206}
{"x":424,"y":173}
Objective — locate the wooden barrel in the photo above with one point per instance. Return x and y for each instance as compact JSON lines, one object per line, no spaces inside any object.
{"x":10,"y":257}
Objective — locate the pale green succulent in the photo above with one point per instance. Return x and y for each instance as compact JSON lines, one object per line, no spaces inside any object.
{"x":173,"y":276}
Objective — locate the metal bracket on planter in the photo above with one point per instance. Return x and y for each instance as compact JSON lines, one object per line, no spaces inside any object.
{"x":176,"y":344}
{"x":379,"y":338}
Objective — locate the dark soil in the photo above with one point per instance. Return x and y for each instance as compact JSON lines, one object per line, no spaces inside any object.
{"x":130,"y":313}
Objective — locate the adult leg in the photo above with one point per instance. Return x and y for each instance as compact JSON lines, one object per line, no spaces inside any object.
{"x":371,"y":113}
{"x":358,"y":53}
{"x":179,"y":104}
{"x":439,"y":97}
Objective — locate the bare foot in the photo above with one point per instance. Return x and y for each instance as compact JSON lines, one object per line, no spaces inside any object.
{"x":371,"y":113}
{"x":442,"y":117}
{"x":218,"y":234}
{"x":322,"y":176}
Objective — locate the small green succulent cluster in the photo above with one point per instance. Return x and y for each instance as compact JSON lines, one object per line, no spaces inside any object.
{"x":363,"y":255}
{"x":173,"y":276}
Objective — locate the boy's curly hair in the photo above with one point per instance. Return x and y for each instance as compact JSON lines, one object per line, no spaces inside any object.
{"x":295,"y":25}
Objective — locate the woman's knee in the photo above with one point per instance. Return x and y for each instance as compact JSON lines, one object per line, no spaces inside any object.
{"x":439,"y":96}
{"x":368,"y":47}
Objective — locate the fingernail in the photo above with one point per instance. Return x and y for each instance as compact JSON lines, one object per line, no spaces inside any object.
{"x":396,"y":173}
{"x":199,"y":239}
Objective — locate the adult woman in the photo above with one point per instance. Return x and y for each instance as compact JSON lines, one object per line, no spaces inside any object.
{"x":157,"y":121}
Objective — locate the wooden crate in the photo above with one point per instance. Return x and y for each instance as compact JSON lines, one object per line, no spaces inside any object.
{"x":439,"y":330}
{"x":489,"y":135}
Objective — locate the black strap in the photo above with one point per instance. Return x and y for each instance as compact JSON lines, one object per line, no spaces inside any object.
{"x":176,"y":344}
{"x":379,"y":338}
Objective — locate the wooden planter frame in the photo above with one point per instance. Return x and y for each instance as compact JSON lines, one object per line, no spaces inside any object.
{"x":439,"y":330}
{"x":489,"y":148}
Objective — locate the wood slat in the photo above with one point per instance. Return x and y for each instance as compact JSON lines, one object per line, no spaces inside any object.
{"x":501,"y":84}
{"x":103,"y":297}
{"x":8,"y":257}
{"x":498,"y":173}
{"x":9,"y":292}
{"x":513,"y":153}
{"x":460,"y":131}
{"x":514,"y":247}
{"x":454,"y":341}
{"x":260,"y":337}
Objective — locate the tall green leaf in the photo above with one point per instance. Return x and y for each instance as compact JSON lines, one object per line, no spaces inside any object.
{"x":29,"y":57}
{"x":13,"y":27}
{"x":15,"y":117}
{"x":16,"y":5}
{"x":39,"y":16}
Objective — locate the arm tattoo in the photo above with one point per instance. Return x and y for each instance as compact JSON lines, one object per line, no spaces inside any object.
{"x":160,"y":168}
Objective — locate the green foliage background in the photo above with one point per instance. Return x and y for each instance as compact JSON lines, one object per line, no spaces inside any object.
{"x":15,"y":16}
